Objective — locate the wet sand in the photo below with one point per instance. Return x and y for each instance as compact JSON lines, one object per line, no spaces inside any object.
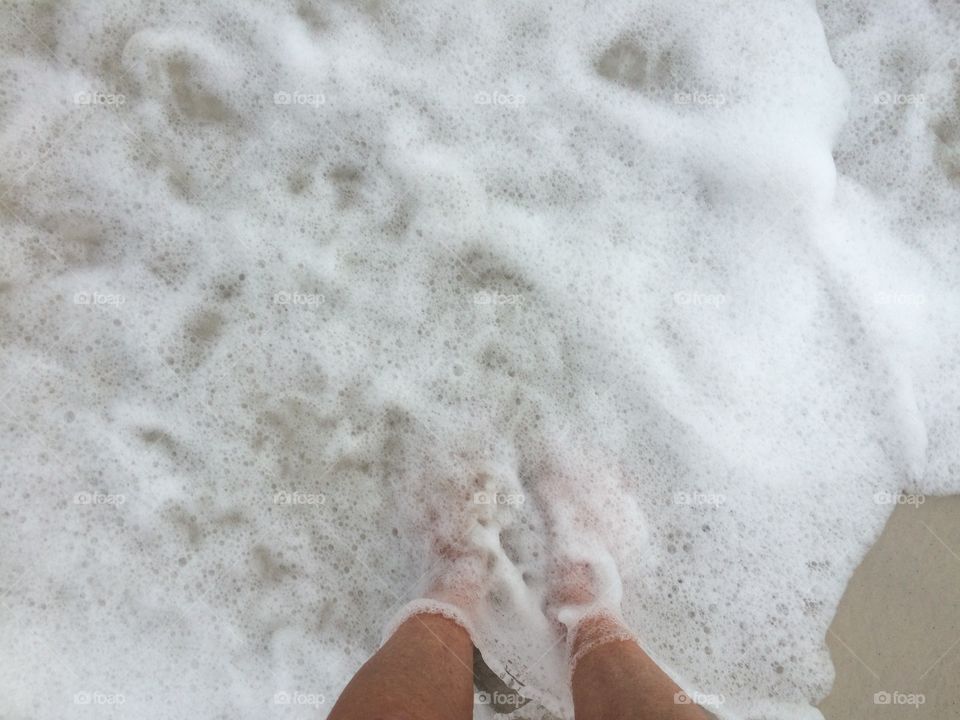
{"x":897,"y":629}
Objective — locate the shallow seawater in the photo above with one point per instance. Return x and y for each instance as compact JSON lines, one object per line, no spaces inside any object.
{"x":289,"y":289}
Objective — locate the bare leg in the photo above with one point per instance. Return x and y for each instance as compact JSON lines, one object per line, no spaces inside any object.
{"x":613,"y":679}
{"x":618,"y":681}
{"x":423,"y":672}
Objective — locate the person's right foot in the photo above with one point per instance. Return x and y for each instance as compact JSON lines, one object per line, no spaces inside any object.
{"x":582,"y":519}
{"x":582,"y":609}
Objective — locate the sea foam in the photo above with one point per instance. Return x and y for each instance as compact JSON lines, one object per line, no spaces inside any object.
{"x":291,"y":289}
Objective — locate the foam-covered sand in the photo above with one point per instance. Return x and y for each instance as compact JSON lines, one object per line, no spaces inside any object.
{"x":288,"y":287}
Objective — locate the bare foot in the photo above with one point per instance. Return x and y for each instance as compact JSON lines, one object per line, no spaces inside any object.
{"x":459,"y":577}
{"x":582,"y":519}
{"x":455,"y":533}
{"x":583,"y":608}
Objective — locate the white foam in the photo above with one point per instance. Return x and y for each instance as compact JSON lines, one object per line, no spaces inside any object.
{"x":286,"y":285}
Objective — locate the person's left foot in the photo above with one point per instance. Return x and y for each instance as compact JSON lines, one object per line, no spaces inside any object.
{"x":459,"y":576}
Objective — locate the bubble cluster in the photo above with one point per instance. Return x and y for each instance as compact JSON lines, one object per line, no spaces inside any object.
{"x":295,"y":293}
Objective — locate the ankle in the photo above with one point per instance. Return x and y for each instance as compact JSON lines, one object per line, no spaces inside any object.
{"x":428,"y":613}
{"x":594,"y":631}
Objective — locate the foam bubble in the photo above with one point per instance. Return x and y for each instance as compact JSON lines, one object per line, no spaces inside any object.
{"x":292,"y":294}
